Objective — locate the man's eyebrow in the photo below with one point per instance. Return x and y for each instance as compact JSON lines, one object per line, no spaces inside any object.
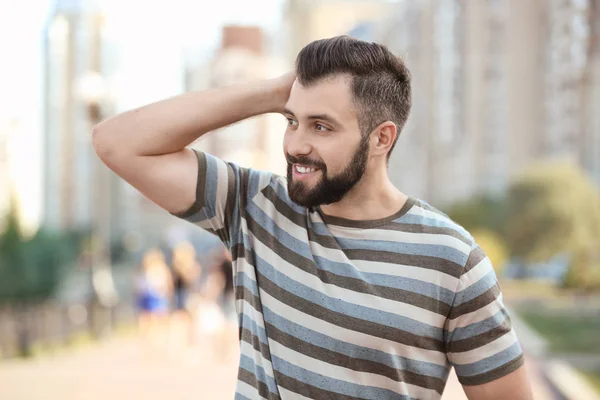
{"x":323,"y":117}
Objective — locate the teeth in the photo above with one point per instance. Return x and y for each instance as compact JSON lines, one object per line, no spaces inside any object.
{"x":304,"y":170}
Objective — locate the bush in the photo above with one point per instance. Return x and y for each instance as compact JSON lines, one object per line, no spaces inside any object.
{"x":494,"y":247}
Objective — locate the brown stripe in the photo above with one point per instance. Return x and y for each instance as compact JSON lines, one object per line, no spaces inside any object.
{"x":403,"y":296}
{"x":352,"y":323}
{"x":371,"y":328}
{"x":356,"y":284}
{"x":200,"y":189}
{"x":477,"y":303}
{"x":353,"y":363}
{"x":475,"y":257}
{"x":263,"y":349}
{"x":307,"y":390}
{"x":434,"y":263}
{"x":251,"y":379}
{"x":365,"y":224}
{"x":494,"y":374}
{"x":475,"y":342}
{"x":428,"y":262}
{"x":426,"y":229}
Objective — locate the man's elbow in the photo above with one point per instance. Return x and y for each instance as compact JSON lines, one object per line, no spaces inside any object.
{"x":103,"y":140}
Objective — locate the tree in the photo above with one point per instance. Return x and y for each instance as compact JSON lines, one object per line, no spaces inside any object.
{"x":31,"y":269}
{"x":481,"y":212}
{"x":554,"y":208}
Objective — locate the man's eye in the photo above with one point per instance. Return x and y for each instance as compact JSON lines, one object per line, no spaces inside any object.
{"x":320,"y":127}
{"x":292,"y":122}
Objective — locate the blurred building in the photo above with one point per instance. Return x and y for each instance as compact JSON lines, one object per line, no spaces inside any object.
{"x":591,"y":95}
{"x":497,"y":84}
{"x":308,"y":20}
{"x":242,"y":58}
{"x":6,"y":186}
{"x":79,"y":192}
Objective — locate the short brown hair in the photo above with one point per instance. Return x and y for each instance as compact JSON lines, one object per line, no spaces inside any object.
{"x":380,"y":80}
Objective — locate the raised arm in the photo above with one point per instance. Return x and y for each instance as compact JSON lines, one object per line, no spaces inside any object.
{"x":147,"y":146}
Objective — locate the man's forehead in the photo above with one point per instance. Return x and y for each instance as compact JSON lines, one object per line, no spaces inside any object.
{"x":329,"y":96}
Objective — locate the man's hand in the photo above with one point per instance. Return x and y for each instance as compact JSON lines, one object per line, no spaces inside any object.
{"x":281,"y":87}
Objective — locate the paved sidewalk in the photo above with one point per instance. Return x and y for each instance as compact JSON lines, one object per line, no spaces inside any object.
{"x":122,"y":369}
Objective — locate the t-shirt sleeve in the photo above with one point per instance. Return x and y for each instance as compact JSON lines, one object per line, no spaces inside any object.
{"x":222,"y":193}
{"x":480,"y":342}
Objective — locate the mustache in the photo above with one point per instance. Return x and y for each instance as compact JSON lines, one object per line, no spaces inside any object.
{"x":305,"y":161}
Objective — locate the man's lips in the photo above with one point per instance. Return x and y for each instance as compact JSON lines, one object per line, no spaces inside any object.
{"x":302,"y":172}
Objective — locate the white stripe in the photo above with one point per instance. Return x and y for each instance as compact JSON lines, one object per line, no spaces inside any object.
{"x":408,"y":271}
{"x":252,"y":313}
{"x":285,"y":394}
{"x":222,"y":187}
{"x":247,"y":350}
{"x":350,"y":336}
{"x":212,"y":223}
{"x":486,"y":351}
{"x":478,"y":315}
{"x":337,"y":255}
{"x":363,"y":299}
{"x":483,"y":268}
{"x":246,"y":390}
{"x":374,"y":234}
{"x":422,"y":212}
{"x":390,"y":235}
{"x":347,"y":374}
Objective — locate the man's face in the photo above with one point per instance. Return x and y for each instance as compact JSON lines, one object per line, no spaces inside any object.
{"x":326,"y":153}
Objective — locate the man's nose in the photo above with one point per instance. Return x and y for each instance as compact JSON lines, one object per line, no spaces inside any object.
{"x":298,"y":145}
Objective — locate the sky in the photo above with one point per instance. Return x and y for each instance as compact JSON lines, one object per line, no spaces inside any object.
{"x":158,"y":33}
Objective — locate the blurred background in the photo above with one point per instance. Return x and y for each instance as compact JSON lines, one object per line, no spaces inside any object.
{"x":103,"y":295}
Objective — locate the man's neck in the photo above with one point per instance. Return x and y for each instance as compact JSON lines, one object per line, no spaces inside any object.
{"x":372,"y":198}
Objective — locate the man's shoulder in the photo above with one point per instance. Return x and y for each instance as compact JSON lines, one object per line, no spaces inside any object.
{"x":425,"y":218}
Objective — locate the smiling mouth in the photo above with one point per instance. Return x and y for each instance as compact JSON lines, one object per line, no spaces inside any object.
{"x":301,"y":169}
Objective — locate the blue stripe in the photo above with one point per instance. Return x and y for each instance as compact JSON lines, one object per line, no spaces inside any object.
{"x":252,"y":326}
{"x":303,"y":249}
{"x":267,"y":223}
{"x":235,"y":221}
{"x":477,"y":289}
{"x":420,"y":220}
{"x":417,"y":249}
{"x":212,"y":178}
{"x":241,"y":397}
{"x":397,"y":282}
{"x":343,"y":307}
{"x":480,"y":327}
{"x":334,"y":385}
{"x":354,"y":351}
{"x":490,"y":363}
{"x":243,"y":279}
{"x":254,"y":177}
{"x":200,"y":216}
{"x":283,"y":194}
{"x":249,"y":365}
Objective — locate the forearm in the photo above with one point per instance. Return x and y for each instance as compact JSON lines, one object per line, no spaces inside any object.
{"x":170,"y":125}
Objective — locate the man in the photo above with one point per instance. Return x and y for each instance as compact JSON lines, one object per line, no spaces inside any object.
{"x":346,"y":287}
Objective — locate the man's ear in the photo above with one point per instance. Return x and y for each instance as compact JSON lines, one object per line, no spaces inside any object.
{"x":383,"y":138}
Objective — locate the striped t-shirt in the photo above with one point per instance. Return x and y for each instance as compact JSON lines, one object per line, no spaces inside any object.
{"x":330,"y":308}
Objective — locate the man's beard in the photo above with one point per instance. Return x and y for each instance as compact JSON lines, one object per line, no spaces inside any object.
{"x":329,"y":189}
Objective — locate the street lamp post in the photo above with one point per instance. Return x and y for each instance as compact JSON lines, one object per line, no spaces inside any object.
{"x":92,"y":90}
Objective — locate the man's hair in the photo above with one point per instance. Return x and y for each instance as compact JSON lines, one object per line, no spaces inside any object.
{"x":380,"y":82}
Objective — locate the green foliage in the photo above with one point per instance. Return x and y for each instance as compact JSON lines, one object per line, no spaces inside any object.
{"x":32,"y":269}
{"x":555,"y":208}
{"x":482,"y":212}
{"x":493,"y":246}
